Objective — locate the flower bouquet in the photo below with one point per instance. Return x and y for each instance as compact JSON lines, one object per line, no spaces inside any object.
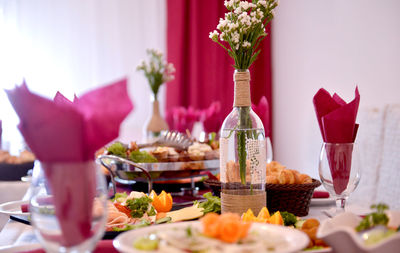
{"x":157,"y":71}
{"x":242,"y":143}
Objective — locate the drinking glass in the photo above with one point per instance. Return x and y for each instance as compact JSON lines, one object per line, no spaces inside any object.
{"x":339,"y":171}
{"x":76,"y":221}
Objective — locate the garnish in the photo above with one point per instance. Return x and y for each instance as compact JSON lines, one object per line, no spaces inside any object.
{"x":140,"y":206}
{"x":143,"y":223}
{"x":146,"y":243}
{"x":189,"y":232}
{"x":138,"y":156}
{"x":289,"y":219}
{"x":120,"y":197}
{"x":373,"y":219}
{"x":263,"y":217}
{"x":226,"y":227}
{"x":123,"y":209}
{"x":117,"y":149}
{"x":162,"y":202}
{"x":212,"y":205}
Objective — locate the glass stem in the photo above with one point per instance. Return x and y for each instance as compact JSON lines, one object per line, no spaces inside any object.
{"x":340,"y":203}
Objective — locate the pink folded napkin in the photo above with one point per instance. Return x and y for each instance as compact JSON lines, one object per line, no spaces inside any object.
{"x":336,"y":118}
{"x":181,"y":119}
{"x":211,"y":117}
{"x":262,"y":110}
{"x":64,"y":136}
{"x":320,"y":194}
{"x":103,"y":246}
{"x":337,"y":122}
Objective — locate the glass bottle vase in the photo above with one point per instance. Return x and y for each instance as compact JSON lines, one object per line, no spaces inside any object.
{"x":155,"y":124}
{"x":242,"y":153}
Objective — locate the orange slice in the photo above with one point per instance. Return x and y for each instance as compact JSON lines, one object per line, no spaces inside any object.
{"x":162,"y":202}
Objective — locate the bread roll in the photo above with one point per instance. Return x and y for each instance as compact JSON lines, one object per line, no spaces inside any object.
{"x":305,"y":179}
{"x":276,"y":173}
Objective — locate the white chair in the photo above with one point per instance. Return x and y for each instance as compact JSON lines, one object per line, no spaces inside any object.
{"x":379,"y":145}
{"x":388,"y":190}
{"x":370,"y":143}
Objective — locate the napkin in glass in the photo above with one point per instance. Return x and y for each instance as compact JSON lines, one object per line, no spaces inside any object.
{"x":64,"y":135}
{"x":211,"y":117}
{"x":337,"y":123}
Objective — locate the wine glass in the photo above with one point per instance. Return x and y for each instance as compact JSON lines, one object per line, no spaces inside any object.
{"x":339,"y":171}
{"x":68,"y":205}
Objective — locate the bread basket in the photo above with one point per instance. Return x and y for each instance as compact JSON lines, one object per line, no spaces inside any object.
{"x":293,"y":198}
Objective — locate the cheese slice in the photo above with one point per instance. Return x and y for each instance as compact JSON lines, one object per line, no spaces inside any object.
{"x":187,"y":213}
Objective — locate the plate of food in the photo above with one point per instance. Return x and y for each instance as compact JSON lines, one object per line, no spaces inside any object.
{"x":17,"y":208}
{"x":377,"y":231}
{"x":131,"y":162}
{"x":283,"y":218}
{"x":213,"y":233}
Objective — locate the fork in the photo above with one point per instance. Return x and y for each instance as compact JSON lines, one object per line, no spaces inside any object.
{"x":170,"y":139}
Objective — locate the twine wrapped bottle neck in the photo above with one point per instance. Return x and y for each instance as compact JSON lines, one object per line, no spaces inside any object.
{"x":242,"y":89}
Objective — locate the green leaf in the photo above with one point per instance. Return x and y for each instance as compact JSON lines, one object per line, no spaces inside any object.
{"x":117,"y":149}
{"x":138,"y":156}
{"x":212,"y":205}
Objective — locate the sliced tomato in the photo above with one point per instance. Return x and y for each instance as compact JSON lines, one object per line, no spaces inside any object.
{"x":123,"y":209}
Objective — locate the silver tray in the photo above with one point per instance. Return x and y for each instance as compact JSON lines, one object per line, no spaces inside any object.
{"x":125,"y":171}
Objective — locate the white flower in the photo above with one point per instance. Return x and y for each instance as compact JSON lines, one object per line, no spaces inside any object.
{"x":232,"y":26}
{"x":254,"y":20}
{"x":228,"y":4}
{"x":214,"y":35}
{"x":235,"y":37}
{"x":170,"y":68}
{"x":221,"y":36}
{"x":246,"y":44}
{"x":262,"y":3}
{"x":260,"y":14}
{"x":222,"y":24}
{"x":158,"y":53}
{"x":244,"y":5}
{"x":238,"y":10}
{"x":244,"y":19}
{"x":228,"y":16}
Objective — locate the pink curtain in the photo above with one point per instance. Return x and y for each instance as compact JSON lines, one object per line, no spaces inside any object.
{"x":204,"y":71}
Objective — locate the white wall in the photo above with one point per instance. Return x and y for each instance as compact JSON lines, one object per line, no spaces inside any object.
{"x":336,"y":45}
{"x":74,"y":46}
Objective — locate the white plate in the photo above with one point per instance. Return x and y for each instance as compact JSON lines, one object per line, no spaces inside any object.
{"x":340,"y":234}
{"x":20,"y":248}
{"x":325,"y":250}
{"x":295,"y":239}
{"x":322,"y":201}
{"x":14,"y":208}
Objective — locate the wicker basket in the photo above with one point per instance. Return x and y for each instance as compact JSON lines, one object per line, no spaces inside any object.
{"x":293,"y":198}
{"x":214,"y":185}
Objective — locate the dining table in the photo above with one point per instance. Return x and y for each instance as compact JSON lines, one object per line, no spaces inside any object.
{"x":20,"y":237}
